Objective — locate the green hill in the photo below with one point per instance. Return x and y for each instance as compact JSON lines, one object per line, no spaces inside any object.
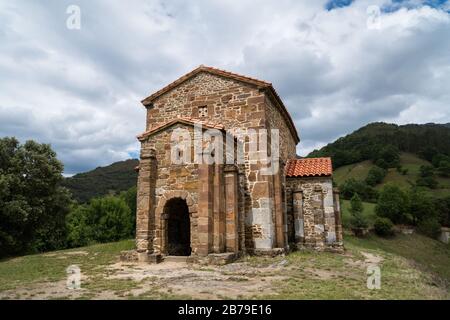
{"x":117,"y":177}
{"x":408,"y":161}
{"x":365,"y":143}
{"x":409,"y":147}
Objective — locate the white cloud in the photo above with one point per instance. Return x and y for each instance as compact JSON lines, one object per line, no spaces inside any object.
{"x":80,"y":90}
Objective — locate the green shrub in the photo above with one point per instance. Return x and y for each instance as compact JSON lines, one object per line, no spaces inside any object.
{"x":426,"y":178}
{"x":430,"y":227}
{"x":102,"y":220}
{"x":352,"y":186}
{"x":393,"y":203}
{"x":388,"y":157}
{"x":444,"y":168}
{"x":375,"y":176}
{"x":426,"y":171}
{"x":421,"y":205}
{"x":130,"y":198}
{"x":443,"y":211}
{"x":428,"y":182}
{"x":79,"y":228}
{"x":383,"y":227}
{"x":358,"y":220}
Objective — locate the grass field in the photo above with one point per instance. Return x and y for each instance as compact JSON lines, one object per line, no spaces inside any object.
{"x":408,"y":161}
{"x":369,"y":212}
{"x":412,"y":267}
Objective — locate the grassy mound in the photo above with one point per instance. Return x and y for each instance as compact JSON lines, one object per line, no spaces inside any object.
{"x":412,"y":267}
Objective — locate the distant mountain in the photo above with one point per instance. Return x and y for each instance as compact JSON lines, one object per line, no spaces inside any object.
{"x":117,"y":177}
{"x":364,"y":143}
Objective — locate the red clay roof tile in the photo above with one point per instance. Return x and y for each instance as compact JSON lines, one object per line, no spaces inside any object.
{"x":309,"y":167}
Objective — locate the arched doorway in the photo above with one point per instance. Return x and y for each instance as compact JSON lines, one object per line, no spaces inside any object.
{"x":178,"y":227}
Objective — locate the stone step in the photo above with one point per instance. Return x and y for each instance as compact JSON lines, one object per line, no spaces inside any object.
{"x":185,"y":259}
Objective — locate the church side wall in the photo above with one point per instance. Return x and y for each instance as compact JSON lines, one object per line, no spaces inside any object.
{"x":315,"y":223}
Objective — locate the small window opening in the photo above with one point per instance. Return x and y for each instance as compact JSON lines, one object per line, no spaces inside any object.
{"x":203,"y":111}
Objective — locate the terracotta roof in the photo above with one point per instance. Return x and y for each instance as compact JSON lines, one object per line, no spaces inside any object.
{"x":261,"y":84}
{"x":309,"y":167}
{"x":185,"y":120}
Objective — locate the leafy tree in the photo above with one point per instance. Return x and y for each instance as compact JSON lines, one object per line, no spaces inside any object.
{"x":383,"y":227}
{"x":102,"y":220}
{"x":444,"y":168}
{"x":356,"y":210}
{"x":393,"y":204}
{"x":442,"y":207}
{"x":32,"y":204}
{"x":429,"y":227}
{"x":382,"y":164}
{"x":428,"y":182}
{"x":426,"y":171}
{"x":427,"y":177}
{"x":429,"y":153}
{"x":113,"y":219}
{"x":421,"y":206}
{"x":390,"y":155}
{"x":130,"y":198}
{"x":80,"y":231}
{"x":375,"y":176}
{"x":352,"y":186}
{"x":437,"y":158}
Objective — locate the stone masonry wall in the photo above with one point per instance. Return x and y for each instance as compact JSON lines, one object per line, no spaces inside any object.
{"x":277,"y":121}
{"x":313,"y":215}
{"x":171,"y":181}
{"x":236,"y":106}
{"x":212,"y":199}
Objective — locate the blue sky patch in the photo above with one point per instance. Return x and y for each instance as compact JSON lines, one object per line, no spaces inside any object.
{"x":334,"y":4}
{"x":133,"y":154}
{"x":395,"y":5}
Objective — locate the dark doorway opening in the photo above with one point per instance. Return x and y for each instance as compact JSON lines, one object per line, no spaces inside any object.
{"x":178,"y":228}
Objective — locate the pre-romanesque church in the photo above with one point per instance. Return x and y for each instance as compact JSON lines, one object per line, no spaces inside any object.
{"x":219,"y":210}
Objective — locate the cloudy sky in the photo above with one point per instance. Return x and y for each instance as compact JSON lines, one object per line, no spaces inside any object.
{"x":336,"y":64}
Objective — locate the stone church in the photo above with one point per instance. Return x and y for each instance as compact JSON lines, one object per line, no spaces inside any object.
{"x":215,"y":212}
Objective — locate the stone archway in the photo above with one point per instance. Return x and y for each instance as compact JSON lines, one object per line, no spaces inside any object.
{"x":163,"y":215}
{"x":178,"y":227}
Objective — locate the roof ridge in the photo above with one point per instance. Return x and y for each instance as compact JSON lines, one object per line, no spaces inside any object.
{"x":309,"y":167}
{"x":234,"y":74}
{"x":201,"y":68}
{"x":260,"y":84}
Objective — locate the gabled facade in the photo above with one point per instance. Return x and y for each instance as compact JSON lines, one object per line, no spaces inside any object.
{"x":223,"y":209}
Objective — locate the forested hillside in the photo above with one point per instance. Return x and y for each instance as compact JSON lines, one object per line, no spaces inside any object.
{"x":393,"y":175}
{"x":370,"y":141}
{"x":117,"y":177}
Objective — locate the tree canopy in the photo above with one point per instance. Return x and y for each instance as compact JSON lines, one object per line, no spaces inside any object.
{"x":32,"y":204}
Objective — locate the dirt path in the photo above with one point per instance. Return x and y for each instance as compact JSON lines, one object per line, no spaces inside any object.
{"x":157,"y":281}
